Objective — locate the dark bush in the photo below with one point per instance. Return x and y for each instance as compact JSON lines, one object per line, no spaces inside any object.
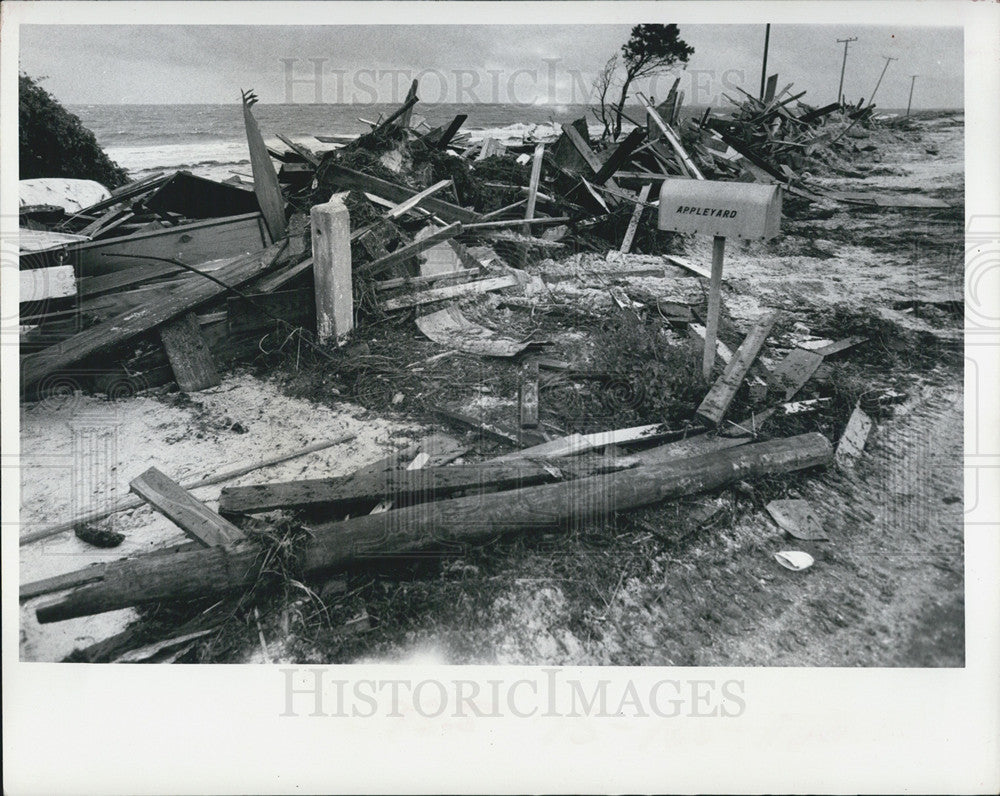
{"x":54,"y":143}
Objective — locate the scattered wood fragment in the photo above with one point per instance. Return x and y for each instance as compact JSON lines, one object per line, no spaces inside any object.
{"x":192,"y":516}
{"x":346,"y":178}
{"x":334,"y":545}
{"x":682,"y":263}
{"x":797,"y":519}
{"x":795,"y":370}
{"x":852,"y":441}
{"x":716,"y":402}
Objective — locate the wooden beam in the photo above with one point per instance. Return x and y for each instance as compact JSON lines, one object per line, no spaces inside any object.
{"x":536,"y":173}
{"x":189,"y":355}
{"x":332,"y":273}
{"x":133,"y":322}
{"x":335,"y":545}
{"x":633,"y":223}
{"x":355,"y":494}
{"x":463,"y":274}
{"x":192,"y":516}
{"x":527,"y":222}
{"x":38,"y":284}
{"x":717,"y":401}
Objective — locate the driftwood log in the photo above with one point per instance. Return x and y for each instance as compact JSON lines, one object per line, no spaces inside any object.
{"x":199,"y":573}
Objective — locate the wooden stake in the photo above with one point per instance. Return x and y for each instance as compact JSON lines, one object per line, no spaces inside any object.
{"x":714,"y":301}
{"x":536,"y":173}
{"x":633,"y":224}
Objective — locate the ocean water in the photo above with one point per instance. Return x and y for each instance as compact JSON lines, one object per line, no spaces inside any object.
{"x":209,"y":140}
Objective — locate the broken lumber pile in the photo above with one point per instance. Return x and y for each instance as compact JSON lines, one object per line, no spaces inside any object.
{"x":335,"y":545}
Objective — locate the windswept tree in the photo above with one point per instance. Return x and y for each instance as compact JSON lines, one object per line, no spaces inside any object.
{"x":651,"y":50}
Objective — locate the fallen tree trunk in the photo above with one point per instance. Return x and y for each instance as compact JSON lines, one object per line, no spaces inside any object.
{"x":190,"y":575}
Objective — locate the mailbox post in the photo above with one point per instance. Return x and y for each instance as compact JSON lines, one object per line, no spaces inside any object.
{"x":724,"y":210}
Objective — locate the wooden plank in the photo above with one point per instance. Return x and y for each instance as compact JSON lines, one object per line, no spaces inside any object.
{"x":462,"y":275}
{"x":128,"y":324}
{"x":265,"y":181}
{"x":633,"y":223}
{"x":192,"y":516}
{"x":716,"y":402}
{"x":451,"y":291}
{"x":346,"y":178}
{"x":117,"y":280}
{"x":336,"y":545}
{"x":528,"y":397}
{"x":406,"y":116}
{"x":536,"y":173}
{"x":620,"y":156}
{"x":194,"y":243}
{"x":356,"y":494}
{"x":527,"y":223}
{"x":795,"y":370}
{"x":38,"y":284}
{"x":404,"y":253}
{"x":189,"y":354}
{"x":852,"y":441}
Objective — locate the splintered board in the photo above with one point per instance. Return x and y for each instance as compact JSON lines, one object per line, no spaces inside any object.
{"x":717,"y":401}
{"x":189,"y":354}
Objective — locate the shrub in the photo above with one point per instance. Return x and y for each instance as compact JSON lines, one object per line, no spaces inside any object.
{"x":54,"y":142}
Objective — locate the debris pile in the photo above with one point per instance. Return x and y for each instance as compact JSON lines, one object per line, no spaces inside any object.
{"x":360,"y":262}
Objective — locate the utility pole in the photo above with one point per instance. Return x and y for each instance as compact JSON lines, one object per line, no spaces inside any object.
{"x":871,"y":100}
{"x":843,"y":66}
{"x":913,"y":79}
{"x":763,"y":68}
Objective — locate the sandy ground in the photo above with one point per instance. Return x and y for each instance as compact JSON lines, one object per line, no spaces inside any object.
{"x":81,"y":453}
{"x":886,"y":589}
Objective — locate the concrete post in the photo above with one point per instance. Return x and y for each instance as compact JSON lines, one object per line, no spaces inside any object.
{"x":331,"y":248}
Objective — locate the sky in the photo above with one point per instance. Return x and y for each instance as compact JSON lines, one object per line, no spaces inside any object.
{"x":553,"y":64}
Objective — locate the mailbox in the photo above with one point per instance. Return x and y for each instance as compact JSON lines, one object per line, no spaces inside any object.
{"x":724,"y":209}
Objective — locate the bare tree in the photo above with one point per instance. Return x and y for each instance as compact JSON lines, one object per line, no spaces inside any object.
{"x":603,"y":84}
